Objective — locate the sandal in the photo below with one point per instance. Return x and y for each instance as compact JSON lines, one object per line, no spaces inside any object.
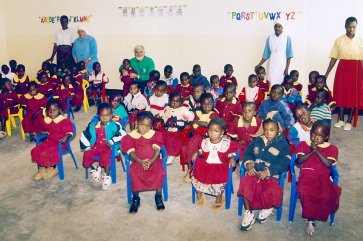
{"x":310,"y":228}
{"x":219,"y":206}
{"x":201,"y":201}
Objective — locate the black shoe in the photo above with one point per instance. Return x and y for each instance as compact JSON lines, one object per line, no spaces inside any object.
{"x":91,"y":102}
{"x":78,"y":108}
{"x":99,"y":101}
{"x":135,"y":203}
{"x":159,"y":202}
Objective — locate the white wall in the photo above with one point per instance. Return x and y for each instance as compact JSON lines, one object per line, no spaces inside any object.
{"x":3,"y":44}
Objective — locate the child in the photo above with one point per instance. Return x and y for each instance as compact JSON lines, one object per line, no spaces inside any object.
{"x":21,"y":80}
{"x":312,"y":77}
{"x":228,"y":78}
{"x":6,"y":73}
{"x":211,"y":163}
{"x":169,"y":79}
{"x":81,"y":66}
{"x":10,"y":101}
{"x":3,"y":115}
{"x":97,"y":140}
{"x":154,"y":76}
{"x":63,"y":70}
{"x":291,"y":95}
{"x":276,"y":104}
{"x":146,"y":169}
{"x":158,"y":101}
{"x":216,"y":90}
{"x":193,"y":101}
{"x":77,"y":101}
{"x":263,"y":83}
{"x":13,"y":64}
{"x":135,"y":102}
{"x":33,"y":104}
{"x":300,"y":131}
{"x":184,"y":88}
{"x":320,"y":84}
{"x":198,"y":78}
{"x":295,"y":77}
{"x":53,"y":74}
{"x":319,"y":109}
{"x":44,"y":68}
{"x":265,"y":157}
{"x":251,"y":93}
{"x":319,"y":196}
{"x":119,"y":113}
{"x":46,"y":154}
{"x":245,"y":128}
{"x":65,"y":92}
{"x":98,"y":81}
{"x":45,"y":86}
{"x":125,"y":76}
{"x":228,"y":107}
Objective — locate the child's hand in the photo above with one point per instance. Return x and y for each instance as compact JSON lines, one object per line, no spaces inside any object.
{"x":314,"y":146}
{"x":240,"y":141}
{"x":64,"y":139}
{"x":108,"y":145}
{"x":133,"y":76}
{"x":145,"y":164}
{"x":124,"y":72}
{"x":250,"y":170}
{"x":262,"y":174}
{"x":232,"y":162}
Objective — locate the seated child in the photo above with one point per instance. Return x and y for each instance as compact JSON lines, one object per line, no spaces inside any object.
{"x":53,"y":75}
{"x":21,"y":80}
{"x":251,"y":93}
{"x":6,"y":73}
{"x":319,"y":196}
{"x":77,"y":101}
{"x":319,"y":110}
{"x":154,"y":76}
{"x":146,"y":168}
{"x":198,"y":78}
{"x":98,"y":81}
{"x":263,"y":83}
{"x":228,"y":78}
{"x":119,"y":113}
{"x":171,"y":82}
{"x":312,"y":77}
{"x":228,"y":107}
{"x":65,"y":92}
{"x":126,"y":71}
{"x":46,"y":154}
{"x":276,"y":104}
{"x":9,"y":100}
{"x":62,"y":71}
{"x":193,"y":101}
{"x":158,"y":101}
{"x":320,"y":84}
{"x":33,"y":104}
{"x":135,"y":102}
{"x":267,"y":156}
{"x":97,"y":140}
{"x":216,"y":90}
{"x":45,"y":87}
{"x":81,"y":66}
{"x":291,"y":95}
{"x":13,"y":64}
{"x":184,"y":88}
{"x":300,"y":131}
{"x":211,"y":163}
{"x":175,"y":117}
{"x":295,"y":77}
{"x":245,"y":128}
{"x":44,"y":68}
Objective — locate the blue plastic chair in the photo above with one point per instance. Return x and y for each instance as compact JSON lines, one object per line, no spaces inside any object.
{"x":294,"y":194}
{"x":68,"y":149}
{"x":69,"y":109}
{"x":164,"y":157}
{"x":228,"y":191}
{"x":282,"y":177}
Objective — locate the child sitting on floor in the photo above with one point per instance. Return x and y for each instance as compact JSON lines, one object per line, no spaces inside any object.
{"x":21,"y":80}
{"x":98,"y":81}
{"x":319,"y":110}
{"x":300,"y":131}
{"x":169,"y":79}
{"x":228,"y":78}
{"x":184,"y":88}
{"x":265,"y":157}
{"x":216,"y":90}
{"x":312,"y":77}
{"x":263,"y":83}
{"x":295,"y":77}
{"x":126,"y":71}
{"x":193,"y":101}
{"x":119,"y":113}
{"x":211,"y":163}
{"x":97,"y":140}
{"x":319,"y":196}
{"x":146,"y":168}
{"x":291,"y":95}
{"x":320,"y":84}
{"x":154,"y":77}
{"x":158,"y":101}
{"x":53,"y":75}
{"x":44,"y":68}
{"x":251,"y":93}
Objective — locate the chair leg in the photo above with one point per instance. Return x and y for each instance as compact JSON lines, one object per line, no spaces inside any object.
{"x":74,"y":159}
{"x":193,"y":194}
{"x":60,"y":170}
{"x":113,"y":169}
{"x":332,"y":217}
{"x":122,"y":163}
{"x":240,"y":205}
{"x":8,"y":127}
{"x":86,"y":170}
{"x":355,"y":120}
{"x":13,"y":123}
{"x":165,"y":188}
{"x":128,"y":182}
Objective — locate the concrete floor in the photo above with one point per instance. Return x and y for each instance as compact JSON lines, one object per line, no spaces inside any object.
{"x":77,"y":209}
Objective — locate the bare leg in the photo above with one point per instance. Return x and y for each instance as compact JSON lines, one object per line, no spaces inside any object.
{"x":199,"y":195}
{"x":341,"y":114}
{"x":247,"y":205}
{"x":351,"y":114}
{"x":107,"y":170}
{"x":219,"y":199}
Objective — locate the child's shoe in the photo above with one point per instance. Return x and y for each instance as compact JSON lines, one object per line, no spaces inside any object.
{"x":339,"y":124}
{"x":96,"y":174}
{"x":201,"y":200}
{"x":135,"y":204}
{"x":218,"y":206}
{"x":106,"y":182}
{"x":170,"y":160}
{"x":52,"y":172}
{"x":37,"y":176}
{"x":347,"y":127}
{"x":248,"y":220}
{"x":159,"y":202}
{"x":44,"y":173}
{"x":264,"y":214}
{"x":2,"y":134}
{"x":187,"y":178}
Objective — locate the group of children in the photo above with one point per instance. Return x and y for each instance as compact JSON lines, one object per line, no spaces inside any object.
{"x":207,"y":124}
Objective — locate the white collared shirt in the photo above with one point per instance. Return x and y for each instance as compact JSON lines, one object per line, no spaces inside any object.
{"x":64,"y":37}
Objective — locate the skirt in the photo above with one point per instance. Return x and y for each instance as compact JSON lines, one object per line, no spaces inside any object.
{"x":46,"y":154}
{"x":173,"y":142}
{"x":35,"y":125}
{"x":211,"y":189}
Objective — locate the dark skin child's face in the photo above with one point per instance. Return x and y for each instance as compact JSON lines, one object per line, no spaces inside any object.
{"x":320,"y":99}
{"x":126,"y":64}
{"x":303,"y":116}
{"x":143,"y":126}
{"x":134,"y":89}
{"x":167,"y":72}
{"x":97,"y":68}
{"x":207,"y":105}
{"x":229,"y":72}
{"x":288,"y":84}
{"x":248,"y":112}
{"x":44,"y":78}
{"x":21,"y":72}
{"x":160,"y":90}
{"x":276,"y":94}
{"x":5,"y":69}
{"x":295,"y":76}
{"x":312,"y":78}
{"x":229,"y":94}
{"x":53,"y":111}
{"x":197,"y":92}
{"x":175,"y":102}
{"x":105,"y":116}
{"x":261,"y":74}
{"x":215,"y":83}
{"x":197,"y":71}
{"x":8,"y":85}
{"x":184,"y":81}
{"x":252,"y":82}
{"x":33,"y":91}
{"x":115,"y":102}
{"x":271,"y":130}
{"x":215,"y":133}
{"x":319,"y":84}
{"x":318,"y":135}
{"x":66,"y":80}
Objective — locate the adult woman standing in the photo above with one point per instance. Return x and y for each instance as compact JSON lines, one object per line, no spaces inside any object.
{"x":85,"y":49}
{"x":348,"y":81}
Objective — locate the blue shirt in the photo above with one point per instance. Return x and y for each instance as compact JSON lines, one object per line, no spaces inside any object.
{"x":84,"y":48}
{"x":200,"y":79}
{"x":287,"y":118}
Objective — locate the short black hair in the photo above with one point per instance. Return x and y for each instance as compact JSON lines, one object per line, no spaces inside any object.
{"x":313,"y":72}
{"x":20,"y":66}
{"x":301,"y":106}
{"x":205,"y":96}
{"x":103,"y":106}
{"x":294,"y":71}
{"x":321,"y":77}
{"x":113,"y":96}
{"x":249,"y":103}
{"x":196,"y":66}
{"x":53,"y":102}
{"x":323,"y":92}
{"x":218,"y":121}
{"x":160,"y":83}
{"x":184,"y":74}
{"x":213,"y":77}
{"x":94,"y":64}
{"x":228,"y":66}
{"x":135,"y":83}
{"x":275,"y":86}
{"x":350,"y":20}
{"x":259,"y":68}
{"x":32,"y":83}
{"x":198,"y":85}
{"x":229,"y":85}
{"x":268,"y":121}
{"x":168,"y":67}
{"x":126,"y":60}
{"x":145,"y":115}
{"x":251,"y":76}
{"x":173,"y":95}
{"x":155,"y":74}
{"x":323,"y":124}
{"x":64,"y":17}
{"x":12,"y":62}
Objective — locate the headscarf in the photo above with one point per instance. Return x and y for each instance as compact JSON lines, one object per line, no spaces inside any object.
{"x":83,"y":28}
{"x":9,"y":75}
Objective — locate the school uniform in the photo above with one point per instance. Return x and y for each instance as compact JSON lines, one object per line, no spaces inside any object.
{"x":135,"y":102}
{"x":9,"y":101}
{"x":21,"y":84}
{"x":184,"y":91}
{"x":78,"y":91}
{"x":192,"y":104}
{"x":47,"y":88}
{"x":251,"y":95}
{"x":265,"y":87}
{"x":225,"y":80}
{"x":97,"y":81}
{"x":33,"y":104}
{"x":298,"y":87}
{"x":228,"y":111}
{"x":298,"y":133}
{"x":269,"y":106}
{"x":127,"y":80}
{"x":63,"y":93}
{"x":311,"y":97}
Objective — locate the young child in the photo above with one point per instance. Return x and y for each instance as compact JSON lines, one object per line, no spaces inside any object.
{"x":169,"y":78}
{"x":300,"y":131}
{"x":175,"y":117}
{"x":125,"y":76}
{"x":6,"y":73}
{"x":216,"y":90}
{"x":154,"y":77}
{"x":228,"y":107}
{"x":21,"y":80}
{"x":135,"y":102}
{"x":320,"y":84}
{"x":97,"y":140}
{"x":251,"y":93}
{"x":319,"y":109}
{"x":10,"y":101}
{"x":13,"y":64}
{"x":45,"y":86}
{"x":245,"y":128}
{"x":81,"y":66}
{"x":44,"y":68}
{"x":184,"y":88}
{"x":193,"y":101}
{"x":46,"y":154}
{"x":146,"y":169}
{"x":53,"y":74}
{"x":77,"y":101}
{"x":98,"y":81}
{"x":62,"y":71}
{"x":312,"y":77}
{"x":263,"y":83}
{"x":65,"y":92}
{"x":119,"y":113}
{"x":291,"y":95}
{"x":265,"y":157}
{"x":228,"y":78}
{"x":295,"y":77}
{"x":276,"y":104}
{"x":158,"y":101}
{"x":211,"y":163}
{"x":198,"y":78}
{"x":33,"y":104}
{"x":319,"y":196}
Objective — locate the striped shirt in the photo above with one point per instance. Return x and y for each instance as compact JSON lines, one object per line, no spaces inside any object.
{"x":321,"y":113}
{"x":157,"y":104}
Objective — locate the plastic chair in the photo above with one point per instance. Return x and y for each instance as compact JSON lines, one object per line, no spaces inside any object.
{"x":103,"y":93}
{"x":282,"y":177}
{"x":164,"y":156}
{"x":113,"y":173}
{"x":69,"y":109}
{"x":228,"y":189}
{"x":85,"y":85}
{"x":68,"y":149}
{"x":11,"y":121}
{"x":294,"y":196}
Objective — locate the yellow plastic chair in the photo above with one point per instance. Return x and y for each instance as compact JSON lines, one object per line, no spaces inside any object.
{"x":85,"y":85}
{"x":13,"y":123}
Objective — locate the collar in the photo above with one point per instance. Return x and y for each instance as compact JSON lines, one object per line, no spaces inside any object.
{"x":63,"y":87}
{"x":37,"y":96}
{"x":323,"y":145}
{"x":136,"y":135}
{"x":21,"y":80}
{"x":296,"y":83}
{"x":304,"y":127}
{"x":253,"y":122}
{"x":138,"y":94}
{"x":48,"y":120}
{"x":234,"y":100}
{"x":185,"y":86}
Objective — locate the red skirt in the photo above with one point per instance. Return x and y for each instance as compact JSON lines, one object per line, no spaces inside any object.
{"x":35,"y":125}
{"x":151,"y":179}
{"x":77,"y":99}
{"x":348,"y":84}
{"x":261,"y":194}
{"x":173,"y":142}
{"x":46,"y":154}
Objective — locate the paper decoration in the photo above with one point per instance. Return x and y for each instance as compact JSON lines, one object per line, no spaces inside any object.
{"x":153,"y":11}
{"x":260,"y":16}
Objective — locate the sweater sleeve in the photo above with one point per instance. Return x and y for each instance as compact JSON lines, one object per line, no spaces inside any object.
{"x":293,"y":136}
{"x":283,"y":158}
{"x":249,"y":156}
